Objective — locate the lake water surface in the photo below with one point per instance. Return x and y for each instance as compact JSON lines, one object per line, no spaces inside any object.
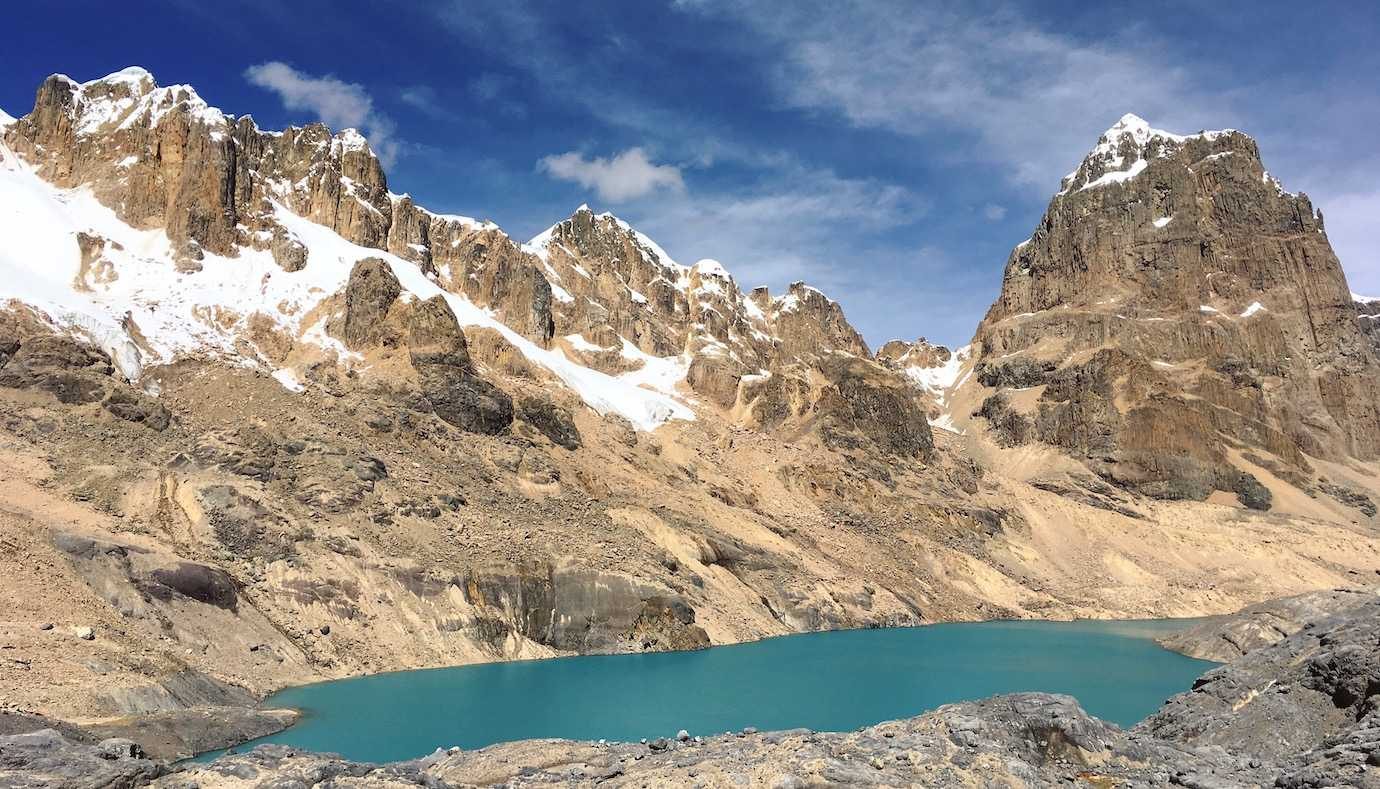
{"x":824,"y":681}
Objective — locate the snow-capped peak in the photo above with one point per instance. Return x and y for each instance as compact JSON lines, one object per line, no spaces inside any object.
{"x":130,"y":94}
{"x":350,"y":140}
{"x":1364,"y":299}
{"x":134,"y":76}
{"x":1108,"y":161}
{"x":711,"y":268}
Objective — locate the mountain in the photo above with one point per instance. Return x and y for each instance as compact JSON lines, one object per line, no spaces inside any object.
{"x":1179,"y":322}
{"x":265,"y":421}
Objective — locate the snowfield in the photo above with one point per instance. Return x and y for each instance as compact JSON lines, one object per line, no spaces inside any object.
{"x":142,"y":293}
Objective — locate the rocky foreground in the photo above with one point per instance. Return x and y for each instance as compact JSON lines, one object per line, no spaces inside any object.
{"x":1302,"y":712}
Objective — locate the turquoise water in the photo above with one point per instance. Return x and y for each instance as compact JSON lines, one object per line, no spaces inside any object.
{"x":826,"y":681}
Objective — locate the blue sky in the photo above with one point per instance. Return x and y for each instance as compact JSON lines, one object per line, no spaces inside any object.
{"x":891,"y":153}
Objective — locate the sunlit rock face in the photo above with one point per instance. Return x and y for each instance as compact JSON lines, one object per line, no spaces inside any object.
{"x":1178,"y":310}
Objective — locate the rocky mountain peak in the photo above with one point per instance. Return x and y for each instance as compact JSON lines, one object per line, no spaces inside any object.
{"x":1174,"y":305}
{"x":1128,"y":147}
{"x":125,"y":97}
{"x":921,"y":353}
{"x":229,"y":197}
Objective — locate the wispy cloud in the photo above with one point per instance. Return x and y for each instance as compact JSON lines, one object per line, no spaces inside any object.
{"x":798,"y":223}
{"x":627,"y":175}
{"x":1029,"y":99}
{"x":424,"y":99}
{"x":339,"y":104}
{"x":994,"y":212}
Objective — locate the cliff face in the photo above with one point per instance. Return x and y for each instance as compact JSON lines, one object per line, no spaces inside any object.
{"x":1177,"y":306}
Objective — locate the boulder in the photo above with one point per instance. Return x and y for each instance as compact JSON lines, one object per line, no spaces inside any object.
{"x":466,"y":400}
{"x":551,"y":420}
{"x":199,"y":582}
{"x":369,"y":294}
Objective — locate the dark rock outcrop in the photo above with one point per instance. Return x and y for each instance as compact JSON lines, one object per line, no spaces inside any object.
{"x":46,"y":758}
{"x":863,"y":400}
{"x":76,"y":373}
{"x":1226,"y":638}
{"x":199,"y":582}
{"x":1314,"y":691}
{"x":551,"y":420}
{"x":581,"y":610}
{"x":369,"y":294}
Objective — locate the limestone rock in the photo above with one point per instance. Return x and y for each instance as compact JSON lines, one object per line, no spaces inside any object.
{"x":369,"y":294}
{"x":1176,"y":302}
{"x":1307,"y":690}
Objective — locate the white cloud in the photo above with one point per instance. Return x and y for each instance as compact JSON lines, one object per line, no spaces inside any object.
{"x":627,"y":175}
{"x":422,"y":97}
{"x":994,"y":212}
{"x":340,"y":105}
{"x":798,"y":223}
{"x":1029,"y":100}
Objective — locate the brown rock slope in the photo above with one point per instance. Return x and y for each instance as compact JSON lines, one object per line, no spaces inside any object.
{"x":1180,"y":323}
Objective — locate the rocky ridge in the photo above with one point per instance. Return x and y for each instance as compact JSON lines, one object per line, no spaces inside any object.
{"x":219,"y":186}
{"x":1179,"y":322}
{"x":1225,"y":638}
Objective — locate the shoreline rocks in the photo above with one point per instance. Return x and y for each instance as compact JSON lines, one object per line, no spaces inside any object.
{"x":1300,"y":712}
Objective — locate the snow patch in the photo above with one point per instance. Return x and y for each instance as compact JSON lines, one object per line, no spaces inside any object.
{"x":945,"y":422}
{"x":579,"y":343}
{"x":561,"y":294}
{"x":1253,"y":309}
{"x":205,"y":312}
{"x":288,"y":378}
{"x":1162,"y":221}
{"x":1117,"y":176}
{"x":940,"y":381}
{"x":1107,"y":152}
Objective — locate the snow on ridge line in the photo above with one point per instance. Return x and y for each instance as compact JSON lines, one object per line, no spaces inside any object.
{"x":171,"y":308}
{"x":622,"y":395}
{"x":1364,"y":299}
{"x":1108,"y":150}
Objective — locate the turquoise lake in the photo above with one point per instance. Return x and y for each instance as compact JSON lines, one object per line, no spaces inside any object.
{"x":825,"y":681}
